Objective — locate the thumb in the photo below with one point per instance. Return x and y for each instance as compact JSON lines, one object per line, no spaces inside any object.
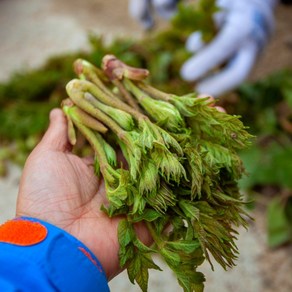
{"x":56,"y":136}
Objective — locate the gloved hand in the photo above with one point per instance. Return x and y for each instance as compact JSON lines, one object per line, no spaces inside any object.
{"x":244,"y":28}
{"x":143,"y":10}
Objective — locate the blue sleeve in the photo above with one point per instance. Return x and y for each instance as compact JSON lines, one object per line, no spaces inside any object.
{"x":59,"y":262}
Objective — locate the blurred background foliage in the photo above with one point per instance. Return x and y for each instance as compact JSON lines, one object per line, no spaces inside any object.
{"x":265,"y":107}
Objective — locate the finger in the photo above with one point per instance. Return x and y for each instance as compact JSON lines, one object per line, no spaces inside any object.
{"x":224,"y":7}
{"x":220,"y":109}
{"x":210,"y":99}
{"x":140,"y":10}
{"x":219,"y":50}
{"x":233,"y":75}
{"x":211,"y":102}
{"x":165,"y":8}
{"x":195,"y":42}
{"x":88,"y":160}
{"x":56,"y":137}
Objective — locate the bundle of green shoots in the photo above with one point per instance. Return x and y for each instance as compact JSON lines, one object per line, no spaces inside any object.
{"x":181,"y":173}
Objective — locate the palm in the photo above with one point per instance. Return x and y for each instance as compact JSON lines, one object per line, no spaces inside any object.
{"x":62,"y":189}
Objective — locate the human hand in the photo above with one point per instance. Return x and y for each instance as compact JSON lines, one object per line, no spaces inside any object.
{"x":244,"y":27}
{"x":143,"y":10}
{"x":62,"y":189}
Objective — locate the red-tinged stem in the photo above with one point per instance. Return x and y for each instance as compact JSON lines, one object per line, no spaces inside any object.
{"x":116,"y":69}
{"x":91,"y":73}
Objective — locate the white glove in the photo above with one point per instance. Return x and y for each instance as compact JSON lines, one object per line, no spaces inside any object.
{"x":244,"y":28}
{"x":143,"y":10}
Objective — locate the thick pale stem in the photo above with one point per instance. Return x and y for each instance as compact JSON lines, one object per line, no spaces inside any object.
{"x":153,"y":92}
{"x":137,"y":92}
{"x":77,"y":97}
{"x":116,"y":69}
{"x":95,"y":142}
{"x":88,"y":71}
{"x":75,"y":113}
{"x":122,"y":118}
{"x":159,"y":242}
{"x":83,"y":85}
{"x":127,"y":96}
{"x":88,"y":120}
{"x":71,"y":132}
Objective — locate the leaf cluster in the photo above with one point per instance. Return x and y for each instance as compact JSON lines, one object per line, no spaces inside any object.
{"x":182,"y":168}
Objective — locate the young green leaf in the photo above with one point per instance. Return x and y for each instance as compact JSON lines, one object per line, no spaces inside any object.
{"x":187,"y":246}
{"x":148,"y":215}
{"x":138,"y":270}
{"x":126,"y":232}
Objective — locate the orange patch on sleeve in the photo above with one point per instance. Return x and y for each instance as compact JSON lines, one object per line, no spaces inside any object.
{"x":22,"y":232}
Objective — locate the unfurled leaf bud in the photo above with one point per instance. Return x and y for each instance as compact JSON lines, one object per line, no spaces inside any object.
{"x":124,"y":119}
{"x":164,"y":113}
{"x":117,"y":189}
{"x":110,"y":154}
{"x":162,"y":199}
{"x":116,"y":69}
{"x":168,"y":164}
{"x":74,"y":113}
{"x":149,"y":177}
{"x":87,"y":71}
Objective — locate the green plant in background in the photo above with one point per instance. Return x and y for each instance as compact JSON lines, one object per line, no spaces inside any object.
{"x":182,"y":168}
{"x":25,"y":102}
{"x":189,"y":18}
{"x":266,"y":107}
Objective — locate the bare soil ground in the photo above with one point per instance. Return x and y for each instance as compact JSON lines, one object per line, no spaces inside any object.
{"x":33,"y":30}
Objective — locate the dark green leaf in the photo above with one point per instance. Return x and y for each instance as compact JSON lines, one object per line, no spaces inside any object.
{"x":148,"y":215}
{"x":142,"y":247}
{"x":138,"y":269}
{"x":186,"y":246}
{"x":189,"y":209}
{"x":126,"y":232}
{"x":288,"y":210}
{"x":126,"y":253}
{"x":172,"y":258}
{"x":279,"y":229}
